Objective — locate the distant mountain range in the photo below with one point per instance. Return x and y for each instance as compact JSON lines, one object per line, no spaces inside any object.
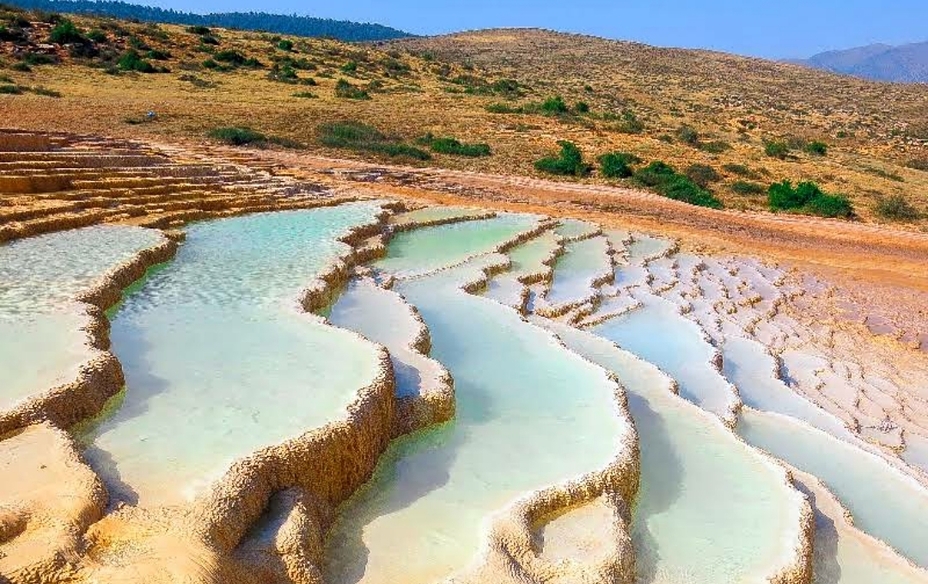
{"x":903,"y":63}
{"x":258,"y":21}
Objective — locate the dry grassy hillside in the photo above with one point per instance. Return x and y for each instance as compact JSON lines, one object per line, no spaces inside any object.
{"x":638,"y":98}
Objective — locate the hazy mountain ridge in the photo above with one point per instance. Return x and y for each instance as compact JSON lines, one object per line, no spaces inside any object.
{"x":879,"y":62}
{"x":259,"y":21}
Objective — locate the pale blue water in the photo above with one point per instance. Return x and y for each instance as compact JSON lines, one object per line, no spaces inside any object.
{"x":219,"y":360}
{"x":657,"y":333}
{"x":574,"y":228}
{"x":574,"y":271}
{"x":529,"y":414}
{"x":424,"y":250}
{"x":709,"y":510}
{"x":41,"y":342}
{"x":752,"y":371}
{"x":884,"y":503}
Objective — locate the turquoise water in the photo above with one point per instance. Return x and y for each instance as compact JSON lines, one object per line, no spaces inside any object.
{"x":424,"y":250}
{"x":529,"y":414}
{"x":41,"y":342}
{"x":574,"y":272}
{"x":709,"y":509}
{"x":427,"y":214}
{"x":752,"y":371}
{"x":657,"y":333}
{"x":574,"y":228}
{"x":644,"y":247}
{"x":526,"y":259}
{"x":884,"y":503}
{"x":844,"y":555}
{"x":383,"y":317}
{"x":219,"y":361}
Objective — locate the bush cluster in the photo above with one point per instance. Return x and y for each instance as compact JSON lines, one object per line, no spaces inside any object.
{"x":776,"y":149}
{"x":357,"y":136}
{"x":346,"y":90}
{"x":568,"y":162}
{"x":455,"y":147}
{"x":896,"y":208}
{"x":617,"y":164}
{"x":244,"y":136}
{"x":668,"y":182}
{"x":807,"y":197}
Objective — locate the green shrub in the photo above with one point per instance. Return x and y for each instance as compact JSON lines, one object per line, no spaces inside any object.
{"x":617,"y":164}
{"x":669,"y":183}
{"x":742,"y":187}
{"x":66,"y":32}
{"x":210,"y":64}
{"x":199,"y":30}
{"x":350,"y":67}
{"x":582,"y":107}
{"x":816,"y":148}
{"x":346,"y":90}
{"x":157,"y":55}
{"x":554,"y":106}
{"x":305,"y":95}
{"x":776,"y":149}
{"x":39,"y":59}
{"x":503,"y":108}
{"x":453,"y":146}
{"x":132,"y":61}
{"x":231,"y":57}
{"x":237,"y":136}
{"x":21,"y":66}
{"x":208,"y":39}
{"x":569,"y":162}
{"x":807,"y":197}
{"x":285,"y":45}
{"x":10,"y":89}
{"x":826,"y":205}
{"x":97,"y":36}
{"x":361,"y":137}
{"x":741,"y":170}
{"x":896,"y":208}
{"x":702,"y":174}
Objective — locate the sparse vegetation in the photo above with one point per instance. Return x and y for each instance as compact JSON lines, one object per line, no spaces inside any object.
{"x":554,"y":106}
{"x":702,"y":174}
{"x":742,"y":187}
{"x":807,"y":197}
{"x":454,"y":147}
{"x":361,"y":137}
{"x":65,"y":32}
{"x":132,"y":61}
{"x":777,"y":149}
{"x":568,"y":163}
{"x":688,"y":135}
{"x":816,"y":148}
{"x":668,"y":182}
{"x":741,"y":170}
{"x":617,"y":164}
{"x":896,"y":208}
{"x":346,"y":90}
{"x":244,"y":136}
{"x":918,"y":164}
{"x":10,"y":89}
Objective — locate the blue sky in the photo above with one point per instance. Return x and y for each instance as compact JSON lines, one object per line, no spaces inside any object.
{"x":776,"y":29}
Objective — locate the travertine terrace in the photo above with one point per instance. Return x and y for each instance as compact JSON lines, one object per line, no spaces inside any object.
{"x":567,"y":390}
